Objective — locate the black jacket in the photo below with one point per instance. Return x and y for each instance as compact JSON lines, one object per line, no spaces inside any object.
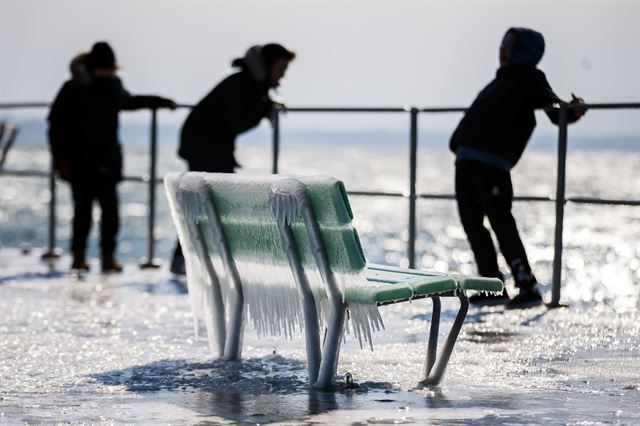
{"x":501,"y":119}
{"x":235,"y":105}
{"x":83,"y":126}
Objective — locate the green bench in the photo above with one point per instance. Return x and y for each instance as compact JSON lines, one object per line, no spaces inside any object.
{"x":282,"y":251}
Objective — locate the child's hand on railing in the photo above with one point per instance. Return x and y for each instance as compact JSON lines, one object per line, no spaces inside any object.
{"x":168,"y":103}
{"x":579,"y":112}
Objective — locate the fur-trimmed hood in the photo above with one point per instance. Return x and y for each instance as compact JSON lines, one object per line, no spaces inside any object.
{"x":79,"y":70}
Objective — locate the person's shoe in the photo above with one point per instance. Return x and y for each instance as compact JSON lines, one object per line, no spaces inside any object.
{"x":527,"y":298}
{"x":109,"y":263}
{"x":178,"y":266}
{"x":78,"y":263}
{"x":489,"y":299}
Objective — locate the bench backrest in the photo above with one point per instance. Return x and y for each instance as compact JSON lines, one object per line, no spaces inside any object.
{"x":242,"y":202}
{"x":251,"y":231}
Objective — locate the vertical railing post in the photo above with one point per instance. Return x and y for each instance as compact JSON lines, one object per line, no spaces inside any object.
{"x":150,"y":261}
{"x":52,"y":252}
{"x":560,"y":187}
{"x":275,"y":122}
{"x":413,"y":154}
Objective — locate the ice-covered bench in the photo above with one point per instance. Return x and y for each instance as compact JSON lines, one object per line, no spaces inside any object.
{"x":284,"y":250}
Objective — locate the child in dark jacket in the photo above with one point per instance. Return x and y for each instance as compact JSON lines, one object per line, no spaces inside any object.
{"x":488,"y":142}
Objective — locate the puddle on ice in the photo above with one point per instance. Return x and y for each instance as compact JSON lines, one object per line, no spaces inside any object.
{"x":121,"y":348}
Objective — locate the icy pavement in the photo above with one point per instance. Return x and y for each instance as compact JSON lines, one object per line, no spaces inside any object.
{"x":121,"y":348}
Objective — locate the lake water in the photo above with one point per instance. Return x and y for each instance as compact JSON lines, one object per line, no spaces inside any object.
{"x":121,"y":348}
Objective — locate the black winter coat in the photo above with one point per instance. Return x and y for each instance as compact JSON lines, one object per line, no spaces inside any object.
{"x":235,"y":105}
{"x":501,"y":119}
{"x":83,"y":126}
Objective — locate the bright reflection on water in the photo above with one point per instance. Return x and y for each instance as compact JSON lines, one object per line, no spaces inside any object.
{"x":121,"y":348}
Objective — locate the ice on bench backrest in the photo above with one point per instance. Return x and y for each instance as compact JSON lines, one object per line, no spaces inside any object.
{"x":242,"y":203}
{"x":250,"y":228}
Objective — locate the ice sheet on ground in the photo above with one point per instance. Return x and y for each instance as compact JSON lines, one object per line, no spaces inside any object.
{"x":120,"y":348}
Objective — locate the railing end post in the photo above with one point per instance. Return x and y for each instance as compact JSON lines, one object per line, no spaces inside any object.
{"x":53,"y":254}
{"x":151,"y":264}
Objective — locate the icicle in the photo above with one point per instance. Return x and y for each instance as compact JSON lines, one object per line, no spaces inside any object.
{"x":272,"y":299}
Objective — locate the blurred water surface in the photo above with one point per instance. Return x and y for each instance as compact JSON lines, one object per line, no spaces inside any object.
{"x":602,"y":243}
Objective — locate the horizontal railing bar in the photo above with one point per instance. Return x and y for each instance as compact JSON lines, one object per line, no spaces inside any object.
{"x":616,"y":105}
{"x":378,"y":194}
{"x":589,"y":200}
{"x":450,"y":109}
{"x":24,"y":173}
{"x":622,"y":105}
{"x":528,"y":198}
{"x":39,"y":173}
{"x":619,"y":105}
{"x":516,"y":198}
{"x":19,"y":105}
{"x":346,"y":109}
{"x":538,"y":198}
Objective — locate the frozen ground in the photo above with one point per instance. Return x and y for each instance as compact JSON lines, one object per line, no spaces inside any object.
{"x":121,"y":348}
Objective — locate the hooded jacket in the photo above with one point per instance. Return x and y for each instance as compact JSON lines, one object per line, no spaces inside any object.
{"x":235,"y":105}
{"x":496,"y":128}
{"x":83,"y":123}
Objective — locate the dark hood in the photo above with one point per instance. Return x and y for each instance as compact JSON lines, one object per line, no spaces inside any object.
{"x":528,"y":47}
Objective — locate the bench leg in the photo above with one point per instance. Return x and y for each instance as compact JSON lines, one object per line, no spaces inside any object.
{"x":233,"y":346}
{"x":235,"y":296}
{"x":312,"y":338}
{"x":309,"y":309}
{"x":331,"y":347}
{"x":432,"y":345}
{"x":436,"y":373}
{"x":213,"y":297}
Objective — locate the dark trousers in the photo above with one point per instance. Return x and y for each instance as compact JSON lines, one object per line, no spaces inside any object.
{"x":485,"y":191}
{"x":84,"y":192}
{"x":202,"y":166}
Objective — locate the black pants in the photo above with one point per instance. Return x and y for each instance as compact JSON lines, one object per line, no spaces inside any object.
{"x":484,"y":191}
{"x":202,"y":166}
{"x":84,"y":192}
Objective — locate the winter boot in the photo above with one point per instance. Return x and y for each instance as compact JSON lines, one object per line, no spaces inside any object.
{"x":527,"y":298}
{"x":529,"y":295}
{"x":79,"y":264}
{"x":109,"y":263}
{"x":178,"y":266}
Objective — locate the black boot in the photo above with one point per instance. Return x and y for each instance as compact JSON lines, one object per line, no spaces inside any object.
{"x":79,"y":262}
{"x":109,"y":263}
{"x":178,"y":266}
{"x":527,"y":298}
{"x":529,"y":295}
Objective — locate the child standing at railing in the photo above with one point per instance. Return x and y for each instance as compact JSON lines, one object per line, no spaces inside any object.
{"x":488,"y":142}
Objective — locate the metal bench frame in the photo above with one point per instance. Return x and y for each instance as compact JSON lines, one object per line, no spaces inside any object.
{"x":289,"y":201}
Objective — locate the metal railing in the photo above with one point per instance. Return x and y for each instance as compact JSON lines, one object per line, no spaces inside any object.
{"x":411,"y":195}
